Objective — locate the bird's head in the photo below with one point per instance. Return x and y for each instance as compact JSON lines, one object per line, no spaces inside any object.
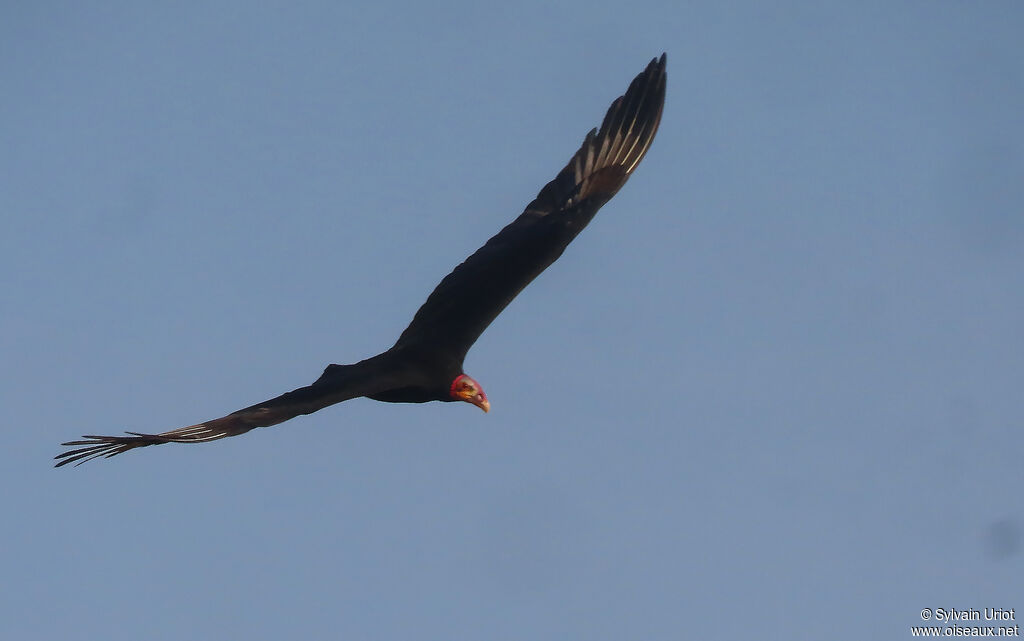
{"x":466,"y":389}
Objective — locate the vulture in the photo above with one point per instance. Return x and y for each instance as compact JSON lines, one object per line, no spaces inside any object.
{"x":425,"y":363}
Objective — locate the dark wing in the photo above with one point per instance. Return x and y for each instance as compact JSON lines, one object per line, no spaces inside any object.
{"x":468,"y":299}
{"x":338,"y":383}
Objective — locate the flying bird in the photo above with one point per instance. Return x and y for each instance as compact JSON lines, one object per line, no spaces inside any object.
{"x":425,"y":364}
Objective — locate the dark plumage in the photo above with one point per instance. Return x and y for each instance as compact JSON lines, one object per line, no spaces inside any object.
{"x":425,"y":364}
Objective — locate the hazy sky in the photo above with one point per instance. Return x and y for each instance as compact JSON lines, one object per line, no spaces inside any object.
{"x":773,"y":391}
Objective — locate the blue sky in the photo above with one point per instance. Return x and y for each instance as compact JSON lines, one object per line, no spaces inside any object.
{"x":772,"y":391}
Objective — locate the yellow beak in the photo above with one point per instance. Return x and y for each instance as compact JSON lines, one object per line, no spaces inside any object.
{"x":482,"y":402}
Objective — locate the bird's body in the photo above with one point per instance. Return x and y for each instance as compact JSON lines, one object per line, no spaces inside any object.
{"x":425,"y":364}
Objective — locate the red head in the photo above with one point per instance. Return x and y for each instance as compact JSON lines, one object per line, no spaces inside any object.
{"x":466,"y":389}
